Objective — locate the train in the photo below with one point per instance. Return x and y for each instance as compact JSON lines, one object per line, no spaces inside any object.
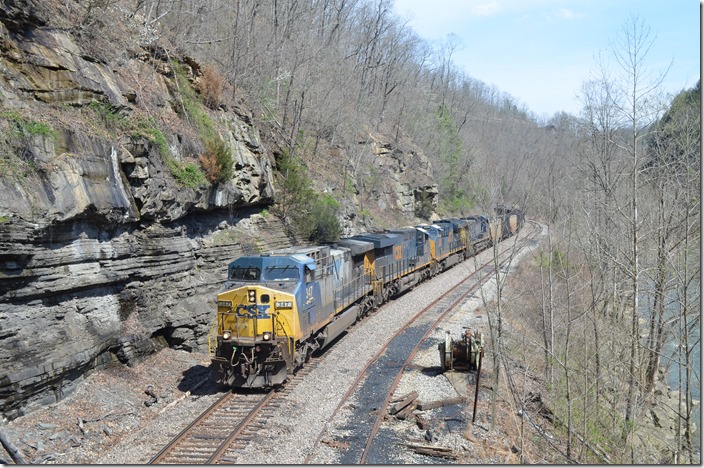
{"x":276,"y":309}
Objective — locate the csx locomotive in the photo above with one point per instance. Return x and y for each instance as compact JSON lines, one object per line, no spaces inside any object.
{"x":276,"y":309}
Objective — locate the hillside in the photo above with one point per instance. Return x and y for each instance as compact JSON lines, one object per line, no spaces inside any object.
{"x":111,"y":233}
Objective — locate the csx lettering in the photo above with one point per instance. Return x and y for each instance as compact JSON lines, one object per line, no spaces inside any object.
{"x":252,"y":310}
{"x":310,"y":298}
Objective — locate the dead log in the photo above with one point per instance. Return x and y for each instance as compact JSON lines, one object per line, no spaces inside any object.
{"x":440,"y":403}
{"x":406,"y":412}
{"x":11,"y":449}
{"x":441,"y":452}
{"x":401,"y":398}
{"x":403,"y":403}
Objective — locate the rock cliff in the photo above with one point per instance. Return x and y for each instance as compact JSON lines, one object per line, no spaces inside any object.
{"x":106,"y":249}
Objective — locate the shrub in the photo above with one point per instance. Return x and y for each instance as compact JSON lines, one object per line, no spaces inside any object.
{"x":108,"y":115}
{"x":323,"y":219}
{"x":216,"y":161}
{"x":424,"y":205}
{"x":210,"y":87}
{"x":313,"y":216}
{"x":146,"y":128}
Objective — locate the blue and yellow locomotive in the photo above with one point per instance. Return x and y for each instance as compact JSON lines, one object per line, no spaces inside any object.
{"x":276,"y":309}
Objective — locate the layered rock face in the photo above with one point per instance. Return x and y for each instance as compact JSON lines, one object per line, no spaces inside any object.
{"x":76,"y":296}
{"x":101,"y":249}
{"x":104,"y":253}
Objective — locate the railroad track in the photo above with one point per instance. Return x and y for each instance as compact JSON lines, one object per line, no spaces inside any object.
{"x":225,"y":429}
{"x":390,"y":372}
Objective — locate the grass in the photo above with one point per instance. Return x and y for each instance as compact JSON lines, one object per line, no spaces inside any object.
{"x":24,"y":127}
{"x":108,"y":115}
{"x":187,"y":174}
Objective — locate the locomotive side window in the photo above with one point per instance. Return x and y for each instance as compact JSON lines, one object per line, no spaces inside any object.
{"x":309,"y":275}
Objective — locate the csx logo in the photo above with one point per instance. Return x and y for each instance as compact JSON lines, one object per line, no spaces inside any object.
{"x":398,"y":252}
{"x":252,"y":311}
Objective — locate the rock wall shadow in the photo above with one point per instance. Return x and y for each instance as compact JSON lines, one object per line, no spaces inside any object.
{"x":200,"y":380}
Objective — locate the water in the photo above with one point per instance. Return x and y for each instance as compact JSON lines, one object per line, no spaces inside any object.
{"x":673,"y":353}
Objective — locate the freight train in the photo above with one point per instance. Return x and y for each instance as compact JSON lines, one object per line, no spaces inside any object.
{"x":276,"y":309}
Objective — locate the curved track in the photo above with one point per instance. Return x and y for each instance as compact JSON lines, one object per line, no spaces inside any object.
{"x":389,"y":374}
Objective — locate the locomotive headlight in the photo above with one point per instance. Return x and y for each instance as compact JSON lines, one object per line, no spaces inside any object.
{"x":226,"y":335}
{"x":266,"y":336}
{"x":252,"y":295}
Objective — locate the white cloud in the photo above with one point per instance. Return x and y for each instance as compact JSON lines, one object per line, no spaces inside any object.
{"x":486,"y":9}
{"x":566,"y":13}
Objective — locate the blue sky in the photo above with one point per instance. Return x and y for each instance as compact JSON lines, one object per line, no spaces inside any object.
{"x":541,"y":51}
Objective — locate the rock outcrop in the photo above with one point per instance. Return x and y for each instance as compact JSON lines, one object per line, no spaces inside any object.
{"x":106,"y":250}
{"x":101,"y":247}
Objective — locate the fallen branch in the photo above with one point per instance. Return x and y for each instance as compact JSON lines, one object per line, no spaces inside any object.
{"x":109,"y":415}
{"x":11,"y":449}
{"x":173,"y":403}
{"x":185,"y":395}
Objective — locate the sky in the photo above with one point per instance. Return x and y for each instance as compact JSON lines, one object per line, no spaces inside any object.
{"x":542,"y":51}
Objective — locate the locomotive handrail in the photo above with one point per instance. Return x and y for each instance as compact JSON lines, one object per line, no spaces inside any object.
{"x":356,"y":292}
{"x":212,"y":336}
{"x":289,"y":339}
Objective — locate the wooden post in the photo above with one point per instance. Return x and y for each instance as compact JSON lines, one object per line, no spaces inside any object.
{"x":476,"y":391}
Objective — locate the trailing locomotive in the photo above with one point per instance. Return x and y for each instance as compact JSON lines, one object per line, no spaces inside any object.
{"x":276,"y":309}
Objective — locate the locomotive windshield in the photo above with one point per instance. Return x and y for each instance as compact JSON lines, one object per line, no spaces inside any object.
{"x":245,"y":273}
{"x":281,"y":273}
{"x":264,"y":268}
